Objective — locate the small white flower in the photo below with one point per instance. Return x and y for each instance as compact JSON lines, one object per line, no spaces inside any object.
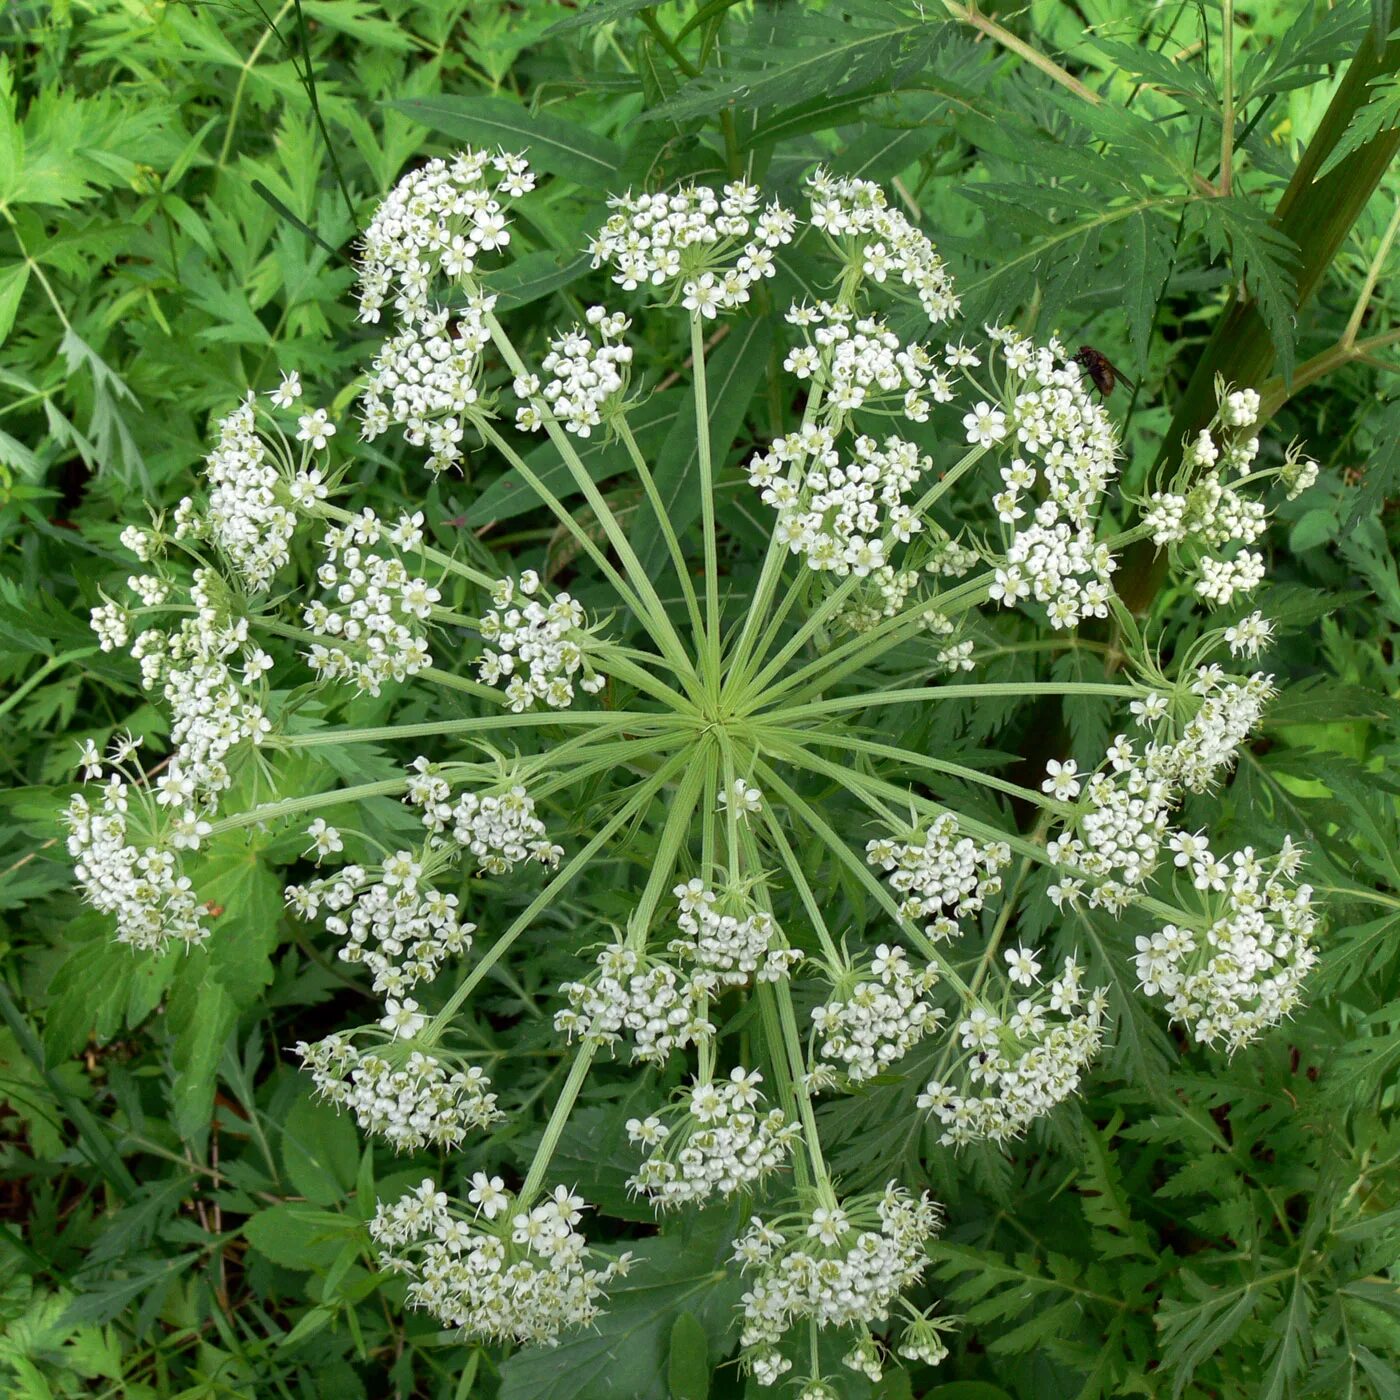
{"x":828,"y":1226}
{"x":402,"y":1019}
{"x":488,"y":1195}
{"x":325,"y":840}
{"x":742,"y":797}
{"x":1022,"y":966}
{"x":1063,"y":782}
{"x":288,"y":391}
{"x":315,"y":428}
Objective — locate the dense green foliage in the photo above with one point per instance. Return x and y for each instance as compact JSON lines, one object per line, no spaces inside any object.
{"x":180,"y":188}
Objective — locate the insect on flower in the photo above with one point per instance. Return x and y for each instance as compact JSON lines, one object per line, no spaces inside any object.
{"x":1102,"y":372}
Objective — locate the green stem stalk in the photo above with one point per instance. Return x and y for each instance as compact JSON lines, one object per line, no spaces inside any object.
{"x":711,"y":667}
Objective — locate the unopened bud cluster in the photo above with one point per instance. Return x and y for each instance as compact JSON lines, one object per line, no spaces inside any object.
{"x":1208,"y":514}
{"x":719,"y":1141}
{"x":536,"y":646}
{"x":941,"y":874}
{"x":838,"y":1265}
{"x":526,"y":1279}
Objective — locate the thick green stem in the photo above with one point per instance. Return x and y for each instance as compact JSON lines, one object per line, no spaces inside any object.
{"x":667,"y":641}
{"x":803,"y":886}
{"x":707,"y":503}
{"x":558,"y":1120}
{"x":870,"y":790}
{"x":673,"y":836}
{"x":649,"y":611}
{"x":663,"y":521}
{"x":294,"y":806}
{"x":839,"y":739}
{"x":831,"y":666}
{"x":981,"y":689}
{"x":830,"y":605}
{"x":782,"y":1075}
{"x":843,"y":853}
{"x":620,"y":719}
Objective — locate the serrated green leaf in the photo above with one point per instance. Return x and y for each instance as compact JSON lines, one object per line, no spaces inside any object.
{"x":688,"y":1359}
{"x":825,"y":55}
{"x":600,"y":12}
{"x":560,"y":147}
{"x":13,"y":280}
{"x":298,"y":1236}
{"x":1379,"y":117}
{"x":104,"y":1299}
{"x":321,"y":1151}
{"x":202,"y":1015}
{"x":244,"y":902}
{"x":624,"y":1353}
{"x":1262,"y":260}
{"x":533,"y":276}
{"x":882,"y":152}
{"x":88,"y":995}
{"x":1147,"y":263}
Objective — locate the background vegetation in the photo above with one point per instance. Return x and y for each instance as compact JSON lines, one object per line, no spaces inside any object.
{"x":1191,"y":187}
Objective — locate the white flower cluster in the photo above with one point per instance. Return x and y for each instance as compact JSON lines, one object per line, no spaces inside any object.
{"x":438,"y":219}
{"x":661,"y":1009}
{"x":880,"y":595}
{"x":923,"y":1339}
{"x":716,"y":246}
{"x":870,"y":1023}
{"x":585,"y":376}
{"x":211,"y":712}
{"x":1250,"y":635}
{"x":859,"y":362}
{"x":729,"y":943}
{"x":397,"y":925}
{"x":376,"y":602}
{"x":1069,"y":448}
{"x":442,"y":216}
{"x":726,"y":943}
{"x":410,"y":1098}
{"x":500,"y":829}
{"x":1118,"y":831}
{"x":886,"y":245}
{"x":723,"y":1143}
{"x":1241,"y":971}
{"x":1210,"y":513}
{"x":840,"y":517}
{"x":251,"y":512}
{"x":526,"y":1283}
{"x":136,"y":880}
{"x":111,"y":625}
{"x":844,"y":516}
{"x":941,"y":874}
{"x":838,"y":1266}
{"x":424,"y":378}
{"x":540,"y":645}
{"x":1229,"y":709}
{"x":1022,"y":1066}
